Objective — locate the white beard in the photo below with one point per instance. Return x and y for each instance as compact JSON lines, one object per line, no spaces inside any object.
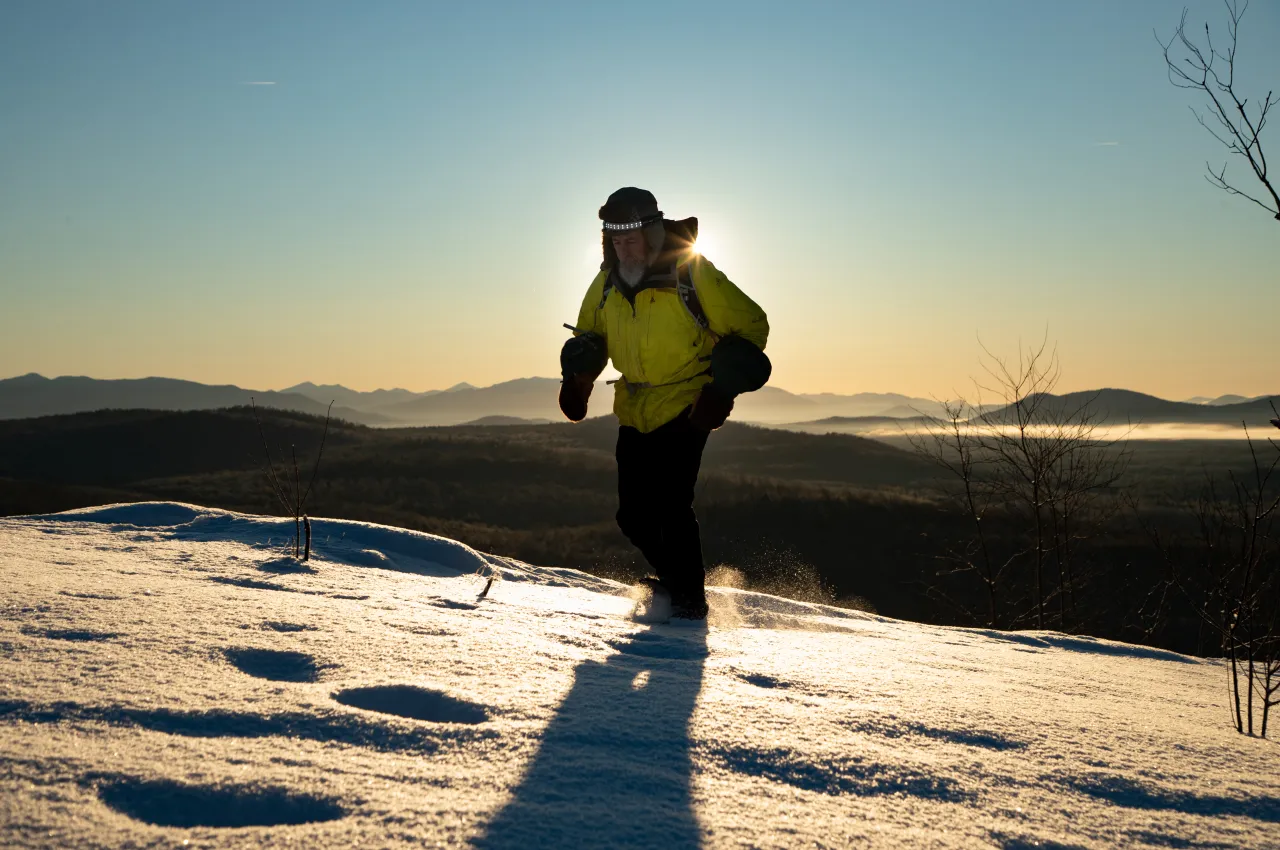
{"x":632,"y":273}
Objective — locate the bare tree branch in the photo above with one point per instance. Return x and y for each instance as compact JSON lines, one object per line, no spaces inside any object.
{"x":1201,"y":70}
{"x":1034,"y":463}
{"x":292,"y":498}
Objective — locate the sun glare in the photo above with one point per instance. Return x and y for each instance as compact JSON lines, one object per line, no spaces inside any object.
{"x":707,"y":246}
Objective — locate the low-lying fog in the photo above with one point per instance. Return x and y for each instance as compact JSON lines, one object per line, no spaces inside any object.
{"x":1156,"y":431}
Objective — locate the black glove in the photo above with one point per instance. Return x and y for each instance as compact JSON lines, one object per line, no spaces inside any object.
{"x":574,"y":393}
{"x":739,"y":366}
{"x":711,"y":409}
{"x":585,"y":354}
{"x":1276,"y":422}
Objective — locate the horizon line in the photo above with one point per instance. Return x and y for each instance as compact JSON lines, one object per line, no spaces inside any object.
{"x":461,"y":385}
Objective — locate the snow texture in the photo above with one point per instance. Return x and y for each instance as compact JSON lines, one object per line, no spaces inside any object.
{"x":169,"y":678}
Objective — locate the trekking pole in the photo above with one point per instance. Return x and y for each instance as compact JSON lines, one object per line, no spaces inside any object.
{"x":575,"y":330}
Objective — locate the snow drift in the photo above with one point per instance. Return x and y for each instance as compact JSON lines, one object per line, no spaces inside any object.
{"x":168,"y":677}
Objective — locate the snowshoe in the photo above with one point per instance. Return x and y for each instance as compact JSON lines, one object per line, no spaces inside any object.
{"x":689,"y":609}
{"x":653,"y":606}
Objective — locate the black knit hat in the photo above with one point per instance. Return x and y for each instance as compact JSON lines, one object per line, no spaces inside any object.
{"x":629,"y":208}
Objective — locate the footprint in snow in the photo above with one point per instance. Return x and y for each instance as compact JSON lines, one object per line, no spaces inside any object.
{"x":425,"y":631}
{"x":838,"y":776}
{"x":71,"y":634}
{"x":285,"y":566}
{"x":1025,"y":843}
{"x":164,"y":802}
{"x":282,"y":626}
{"x":413,"y":702}
{"x":274,"y":664}
{"x":453,"y":604}
{"x":253,"y":584}
{"x":762,"y":681}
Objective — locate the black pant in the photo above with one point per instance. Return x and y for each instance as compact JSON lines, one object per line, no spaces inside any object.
{"x":657,"y":473}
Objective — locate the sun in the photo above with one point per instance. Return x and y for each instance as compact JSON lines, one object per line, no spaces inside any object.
{"x":707,"y":245}
{"x":717,"y":246}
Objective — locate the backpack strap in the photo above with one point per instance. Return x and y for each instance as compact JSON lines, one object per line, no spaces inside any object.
{"x":608,"y":287}
{"x":689,"y":297}
{"x":684,"y":288}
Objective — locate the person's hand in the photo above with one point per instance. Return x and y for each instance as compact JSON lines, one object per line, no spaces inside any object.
{"x":739,"y":366}
{"x":1276,"y":422}
{"x":574,"y":393}
{"x":711,"y":409}
{"x":584,"y":354}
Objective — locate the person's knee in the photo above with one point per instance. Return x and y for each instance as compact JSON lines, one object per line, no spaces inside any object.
{"x":678,"y":519}
{"x":635,"y":525}
{"x":648,"y":523}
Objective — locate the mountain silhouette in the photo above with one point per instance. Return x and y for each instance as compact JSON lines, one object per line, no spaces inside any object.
{"x":1116,"y":406}
{"x":34,"y":395}
{"x":535,"y":399}
{"x":355,"y":399}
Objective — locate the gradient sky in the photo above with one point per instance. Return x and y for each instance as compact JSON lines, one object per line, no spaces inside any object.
{"x":411,"y":200}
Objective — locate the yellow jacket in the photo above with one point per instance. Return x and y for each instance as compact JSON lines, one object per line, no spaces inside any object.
{"x":658,"y":346}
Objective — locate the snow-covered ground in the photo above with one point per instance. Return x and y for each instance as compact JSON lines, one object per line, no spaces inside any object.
{"x":167,"y":678}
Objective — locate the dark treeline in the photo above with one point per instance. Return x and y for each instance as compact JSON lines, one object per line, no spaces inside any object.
{"x":826,"y":518}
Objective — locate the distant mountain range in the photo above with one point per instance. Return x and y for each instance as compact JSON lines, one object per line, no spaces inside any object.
{"x":535,"y":399}
{"x":358,"y":400}
{"x":1225,"y":399}
{"x":35,"y":395}
{"x":532,"y":399}
{"x":1115,"y":406}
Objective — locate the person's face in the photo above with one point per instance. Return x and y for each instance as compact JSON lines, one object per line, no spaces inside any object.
{"x":631,"y":247}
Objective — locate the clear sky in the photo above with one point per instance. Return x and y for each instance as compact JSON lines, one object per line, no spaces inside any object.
{"x":405,"y":194}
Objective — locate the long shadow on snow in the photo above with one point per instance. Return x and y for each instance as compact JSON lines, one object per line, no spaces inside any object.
{"x":1133,"y":795}
{"x":337,"y":728}
{"x":614,"y":768}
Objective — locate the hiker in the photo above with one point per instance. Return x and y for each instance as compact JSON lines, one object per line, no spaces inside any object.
{"x":687,"y":342}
